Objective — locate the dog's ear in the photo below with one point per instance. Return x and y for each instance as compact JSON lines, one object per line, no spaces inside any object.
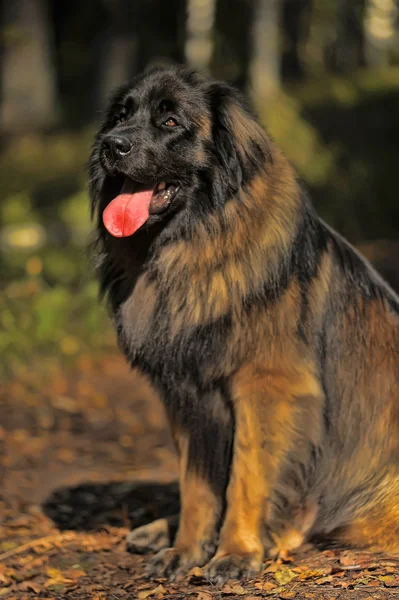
{"x":240,"y":143}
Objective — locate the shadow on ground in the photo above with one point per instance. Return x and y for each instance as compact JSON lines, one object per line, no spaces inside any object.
{"x":92,"y":506}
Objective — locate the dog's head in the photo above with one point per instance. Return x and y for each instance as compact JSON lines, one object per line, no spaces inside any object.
{"x":172,"y":143}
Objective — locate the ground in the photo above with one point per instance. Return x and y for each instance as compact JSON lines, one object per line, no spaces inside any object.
{"x":84,"y":456}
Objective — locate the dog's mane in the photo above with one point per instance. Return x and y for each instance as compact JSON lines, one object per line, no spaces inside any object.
{"x":249,"y":227}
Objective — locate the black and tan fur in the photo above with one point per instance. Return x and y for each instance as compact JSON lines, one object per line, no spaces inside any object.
{"x":273,"y":344}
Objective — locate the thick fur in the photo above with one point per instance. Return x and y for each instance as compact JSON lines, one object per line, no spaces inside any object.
{"x":273,"y":344}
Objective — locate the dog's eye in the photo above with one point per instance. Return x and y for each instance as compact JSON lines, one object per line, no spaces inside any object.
{"x":170,"y":122}
{"x":121,"y":117}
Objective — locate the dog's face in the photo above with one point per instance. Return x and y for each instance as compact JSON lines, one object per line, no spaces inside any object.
{"x":169,"y":143}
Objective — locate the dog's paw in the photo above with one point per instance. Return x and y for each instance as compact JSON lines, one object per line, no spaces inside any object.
{"x":232,"y":566}
{"x":150,"y":538}
{"x":172,"y":561}
{"x":285,"y":544}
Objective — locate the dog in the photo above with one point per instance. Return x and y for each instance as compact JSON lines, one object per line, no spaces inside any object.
{"x":273,"y":344}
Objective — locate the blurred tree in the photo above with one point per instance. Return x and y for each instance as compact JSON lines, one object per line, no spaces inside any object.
{"x":27,"y":72}
{"x":103,"y":43}
{"x":296,"y":21}
{"x":380,"y":21}
{"x":347,"y":53}
{"x":265,"y":59}
{"x":80,"y":41}
{"x":232,"y":50}
{"x":200,"y":25}
{"x":119,"y":50}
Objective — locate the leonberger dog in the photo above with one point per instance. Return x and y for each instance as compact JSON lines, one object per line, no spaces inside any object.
{"x":273,"y":344}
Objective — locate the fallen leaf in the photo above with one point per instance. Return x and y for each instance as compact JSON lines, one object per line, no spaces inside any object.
{"x":313,"y":573}
{"x":324,"y":580}
{"x":74,"y":573}
{"x":4,"y":581}
{"x":272,"y":568}
{"x":287,"y":595}
{"x":147,"y":593}
{"x":204,"y":596}
{"x":195,"y":572}
{"x":6,"y":590}
{"x":277,"y":591}
{"x":56,"y":578}
{"x":361,"y":581}
{"x":284,"y":575}
{"x":27,"y":586}
{"x":389,"y":581}
{"x":265,"y":586}
{"x":24,"y":575}
{"x":196,"y":576}
{"x":233,"y":589}
{"x":349,"y":560}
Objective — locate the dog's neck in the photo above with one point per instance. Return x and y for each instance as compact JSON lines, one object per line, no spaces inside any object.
{"x":242,"y":242}
{"x":235,"y":253}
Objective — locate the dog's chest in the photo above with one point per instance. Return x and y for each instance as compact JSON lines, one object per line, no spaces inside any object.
{"x":163,"y":339}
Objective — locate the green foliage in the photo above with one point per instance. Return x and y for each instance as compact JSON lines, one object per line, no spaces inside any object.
{"x":39,"y":322}
{"x":341,"y":134}
{"x":48,"y":303}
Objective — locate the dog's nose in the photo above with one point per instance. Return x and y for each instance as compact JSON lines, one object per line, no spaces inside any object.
{"x":116,"y":145}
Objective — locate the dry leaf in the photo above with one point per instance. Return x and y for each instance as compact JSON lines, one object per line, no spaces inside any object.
{"x":56,"y":577}
{"x":4,"y":580}
{"x":389,"y":581}
{"x":272,"y":568}
{"x":27,"y":586}
{"x":195,"y":572}
{"x":265,"y":586}
{"x":324,"y":580}
{"x":147,"y":593}
{"x":284,"y":575}
{"x":313,"y":573}
{"x":233,"y":589}
{"x":6,"y":590}
{"x":204,"y":596}
{"x":277,"y":591}
{"x":287,"y":595}
{"x":74,"y":573}
{"x":349,"y":560}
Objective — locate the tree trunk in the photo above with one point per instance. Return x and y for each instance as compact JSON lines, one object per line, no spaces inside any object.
{"x":199,"y":40}
{"x":296,"y":22}
{"x":348,"y":53}
{"x":28,"y":98}
{"x":265,"y":62}
{"x":380,"y":30}
{"x":233,"y":41}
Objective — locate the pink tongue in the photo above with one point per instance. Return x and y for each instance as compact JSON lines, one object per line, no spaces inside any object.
{"x":128,"y":211}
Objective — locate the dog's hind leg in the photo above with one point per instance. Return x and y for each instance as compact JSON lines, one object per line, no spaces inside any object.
{"x":378,"y":531}
{"x":154,"y":536}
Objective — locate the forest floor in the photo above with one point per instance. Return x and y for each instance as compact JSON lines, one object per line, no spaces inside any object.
{"x":84,"y":457}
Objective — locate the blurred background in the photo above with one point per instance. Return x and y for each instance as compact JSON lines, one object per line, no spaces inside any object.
{"x":324,"y":77}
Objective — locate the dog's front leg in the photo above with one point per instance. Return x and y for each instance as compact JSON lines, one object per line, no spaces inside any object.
{"x":269,"y":409}
{"x":204,"y":443}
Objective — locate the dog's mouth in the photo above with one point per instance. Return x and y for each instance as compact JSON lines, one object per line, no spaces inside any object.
{"x":134,"y":205}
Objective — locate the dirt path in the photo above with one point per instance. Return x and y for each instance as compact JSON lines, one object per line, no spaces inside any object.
{"x":86,"y":456}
